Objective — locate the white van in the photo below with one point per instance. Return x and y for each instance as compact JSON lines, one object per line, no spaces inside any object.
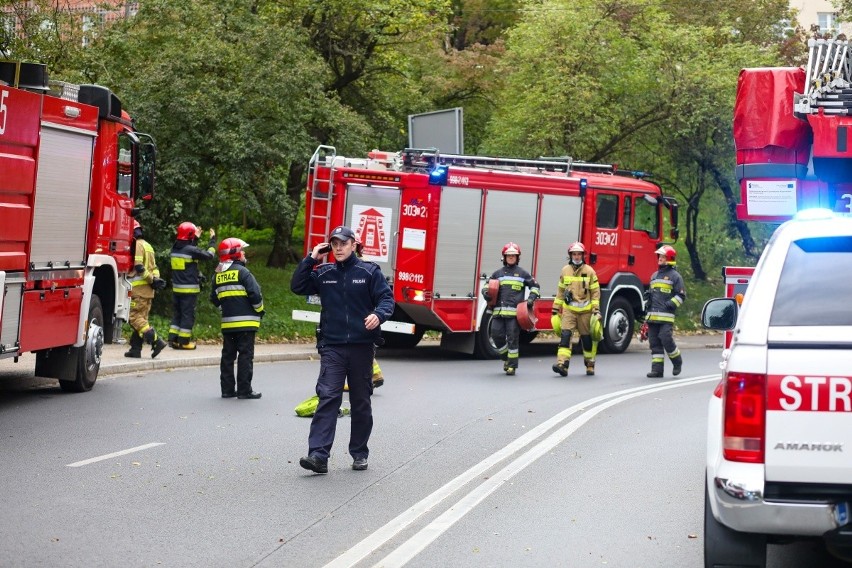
{"x":779,"y":438}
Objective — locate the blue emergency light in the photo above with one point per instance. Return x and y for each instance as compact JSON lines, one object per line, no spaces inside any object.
{"x":583,"y":183}
{"x":438,"y":176}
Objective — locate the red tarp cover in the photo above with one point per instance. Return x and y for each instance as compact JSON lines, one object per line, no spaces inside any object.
{"x":763,"y":113}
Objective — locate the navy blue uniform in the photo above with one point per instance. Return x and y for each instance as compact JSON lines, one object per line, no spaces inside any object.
{"x":350,"y":291}
{"x":186,"y":285}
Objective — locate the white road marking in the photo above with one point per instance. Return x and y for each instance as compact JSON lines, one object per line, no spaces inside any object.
{"x":419,"y":541}
{"x":115,"y":454}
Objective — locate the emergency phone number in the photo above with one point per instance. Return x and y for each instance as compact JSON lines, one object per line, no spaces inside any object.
{"x":409,"y":277}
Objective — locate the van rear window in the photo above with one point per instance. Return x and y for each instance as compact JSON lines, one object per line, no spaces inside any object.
{"x":815,"y":282}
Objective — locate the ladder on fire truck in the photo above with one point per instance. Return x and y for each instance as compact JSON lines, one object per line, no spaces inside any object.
{"x":828,"y":79}
{"x":429,"y":158}
{"x":322,"y":189}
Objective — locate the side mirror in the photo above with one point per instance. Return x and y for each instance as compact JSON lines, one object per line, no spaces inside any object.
{"x":720,"y":314}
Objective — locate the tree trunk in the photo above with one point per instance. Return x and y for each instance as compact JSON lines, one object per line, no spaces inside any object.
{"x":282,"y":250}
{"x":740,"y":226}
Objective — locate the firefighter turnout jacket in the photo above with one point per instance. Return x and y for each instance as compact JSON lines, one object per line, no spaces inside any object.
{"x":665,"y":296}
{"x":349,"y":291}
{"x":579,"y":290}
{"x":144,"y":270}
{"x":237,"y":293}
{"x":513,"y":280}
{"x":184,"y":260}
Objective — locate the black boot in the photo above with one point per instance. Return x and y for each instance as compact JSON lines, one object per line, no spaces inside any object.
{"x":678,"y":364}
{"x":561,"y":368}
{"x":136,"y":343}
{"x":656,"y":371}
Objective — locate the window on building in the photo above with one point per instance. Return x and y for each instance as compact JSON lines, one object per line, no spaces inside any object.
{"x":827,"y":22}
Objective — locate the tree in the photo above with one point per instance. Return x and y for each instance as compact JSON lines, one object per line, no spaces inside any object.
{"x":231,"y":98}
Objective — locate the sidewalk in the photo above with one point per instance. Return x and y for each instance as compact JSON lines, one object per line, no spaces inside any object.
{"x":113,"y":361}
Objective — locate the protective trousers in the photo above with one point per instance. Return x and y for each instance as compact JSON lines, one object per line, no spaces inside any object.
{"x":505,"y":333}
{"x":661,"y":341}
{"x":240,"y":343}
{"x":581,"y":322}
{"x":143,"y":333}
{"x":183,"y":318}
{"x":353,"y":364}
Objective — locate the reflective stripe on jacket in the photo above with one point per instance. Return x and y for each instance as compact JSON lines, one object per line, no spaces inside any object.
{"x":184,"y":260}
{"x":237,"y":293}
{"x":578,"y":289}
{"x":141,"y":280}
{"x":513,"y":280}
{"x":665,"y":296}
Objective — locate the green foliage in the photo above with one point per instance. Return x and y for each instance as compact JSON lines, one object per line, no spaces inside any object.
{"x":277,"y":324}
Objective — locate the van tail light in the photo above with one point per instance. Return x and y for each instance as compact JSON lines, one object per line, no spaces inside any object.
{"x":745,"y":417}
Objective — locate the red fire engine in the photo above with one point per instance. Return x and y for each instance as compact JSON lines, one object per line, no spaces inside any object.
{"x":436,"y":224}
{"x":71,"y":169}
{"x":791,"y":129}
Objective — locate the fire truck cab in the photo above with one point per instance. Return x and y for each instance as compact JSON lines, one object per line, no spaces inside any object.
{"x":436,"y":225}
{"x":72,"y":169}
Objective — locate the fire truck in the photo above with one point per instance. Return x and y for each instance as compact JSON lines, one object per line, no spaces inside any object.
{"x":791,"y":132}
{"x":436,"y":223}
{"x":72,"y":168}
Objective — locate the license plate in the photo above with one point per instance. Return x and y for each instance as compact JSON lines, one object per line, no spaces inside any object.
{"x":314,"y":300}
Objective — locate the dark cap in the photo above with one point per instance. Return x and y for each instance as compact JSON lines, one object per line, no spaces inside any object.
{"x":342,"y":232}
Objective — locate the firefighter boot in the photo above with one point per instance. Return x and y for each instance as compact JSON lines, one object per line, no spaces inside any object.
{"x":656,"y":371}
{"x":186,"y":344}
{"x":378,"y":377}
{"x":511,"y":367}
{"x":678,"y":364}
{"x":158,"y":346}
{"x":561,"y":368}
{"x":136,"y":343}
{"x":590,"y":367}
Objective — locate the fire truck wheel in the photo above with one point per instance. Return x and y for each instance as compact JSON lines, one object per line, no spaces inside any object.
{"x":618,"y":330}
{"x":483,"y":347}
{"x":89,"y":355}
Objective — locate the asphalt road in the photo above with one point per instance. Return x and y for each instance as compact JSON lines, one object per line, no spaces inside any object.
{"x":468,"y":467}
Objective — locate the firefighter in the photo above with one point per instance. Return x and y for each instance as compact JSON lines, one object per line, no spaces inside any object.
{"x":578,"y":300}
{"x":666,"y":294}
{"x":237,"y":294}
{"x":505,"y":330}
{"x":186,"y":282}
{"x":144,"y":279}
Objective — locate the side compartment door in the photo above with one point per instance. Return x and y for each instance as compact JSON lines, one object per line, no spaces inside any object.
{"x":510,"y":216}
{"x":457,"y":243}
{"x":559,"y":227}
{"x":373,"y":213}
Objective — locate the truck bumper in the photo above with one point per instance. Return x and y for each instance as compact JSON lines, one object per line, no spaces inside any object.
{"x":738,"y":503}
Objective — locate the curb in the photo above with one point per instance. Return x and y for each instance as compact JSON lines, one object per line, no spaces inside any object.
{"x":205,"y":361}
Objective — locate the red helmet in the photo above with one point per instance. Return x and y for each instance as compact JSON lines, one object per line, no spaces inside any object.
{"x":576,"y":247}
{"x":668,"y":251}
{"x":232,"y":249}
{"x":187,"y":231}
{"x":511,"y":248}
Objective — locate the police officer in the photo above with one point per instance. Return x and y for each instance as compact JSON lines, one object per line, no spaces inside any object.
{"x":513,"y":280}
{"x":665,"y":296}
{"x":356,"y":300}
{"x":144,"y":279}
{"x":578,"y":300}
{"x":237,"y":294}
{"x":186,"y":282}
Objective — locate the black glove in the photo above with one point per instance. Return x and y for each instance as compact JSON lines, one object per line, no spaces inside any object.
{"x":486,"y":295}
{"x":158,"y":284}
{"x":261,"y":313}
{"x":554,"y":311}
{"x":530,"y":302}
